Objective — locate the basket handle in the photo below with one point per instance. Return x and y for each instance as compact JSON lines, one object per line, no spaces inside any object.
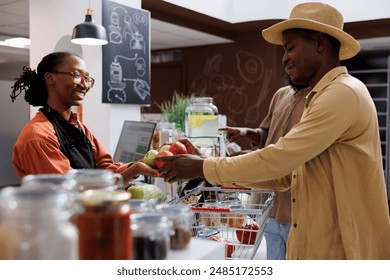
{"x":235,"y":188}
{"x":208,"y":209}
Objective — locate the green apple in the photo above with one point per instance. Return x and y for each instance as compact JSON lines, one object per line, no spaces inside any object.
{"x":149,"y":158}
{"x":165,"y":147}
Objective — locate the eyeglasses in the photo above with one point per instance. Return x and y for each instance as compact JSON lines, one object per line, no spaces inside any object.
{"x":78,"y":78}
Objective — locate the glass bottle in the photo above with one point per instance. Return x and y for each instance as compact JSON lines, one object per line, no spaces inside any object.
{"x":35,"y":224}
{"x":166,"y":132}
{"x":104,"y":225}
{"x":93,"y":179}
{"x":151,"y":234}
{"x":177,"y":133}
{"x":202,"y":121}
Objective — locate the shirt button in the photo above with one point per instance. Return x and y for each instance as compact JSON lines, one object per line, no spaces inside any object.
{"x":295,"y":225}
{"x":295,"y":176}
{"x":293,"y":200}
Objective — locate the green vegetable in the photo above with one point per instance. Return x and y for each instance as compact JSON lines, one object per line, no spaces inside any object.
{"x":146,"y":191}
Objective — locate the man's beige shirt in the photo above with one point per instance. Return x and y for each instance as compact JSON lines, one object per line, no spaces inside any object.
{"x":339,"y":201}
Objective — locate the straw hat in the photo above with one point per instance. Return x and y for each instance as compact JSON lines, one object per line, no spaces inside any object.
{"x":315,"y":16}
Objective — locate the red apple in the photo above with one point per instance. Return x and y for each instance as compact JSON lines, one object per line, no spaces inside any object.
{"x":160,"y":164}
{"x":177,"y":148}
{"x":247,"y":234}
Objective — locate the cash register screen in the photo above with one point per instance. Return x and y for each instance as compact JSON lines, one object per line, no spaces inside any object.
{"x":134,"y":140}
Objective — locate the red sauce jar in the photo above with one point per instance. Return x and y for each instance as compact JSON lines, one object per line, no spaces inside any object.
{"x":104,"y":226}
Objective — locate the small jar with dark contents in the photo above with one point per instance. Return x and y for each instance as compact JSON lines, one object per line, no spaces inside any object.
{"x":181,"y":217}
{"x":151,"y":232}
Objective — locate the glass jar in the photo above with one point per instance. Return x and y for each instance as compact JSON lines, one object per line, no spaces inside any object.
{"x":35,"y":224}
{"x":53,"y":181}
{"x":140,"y":205}
{"x":202,"y":121}
{"x":104,"y":225}
{"x":178,"y":134}
{"x":151,"y":234}
{"x":235,"y":219}
{"x":93,"y":179}
{"x":166,"y":132}
{"x":209,"y":217}
{"x":181,"y":217}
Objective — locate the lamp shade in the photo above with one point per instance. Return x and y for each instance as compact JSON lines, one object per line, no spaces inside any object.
{"x":89,"y":32}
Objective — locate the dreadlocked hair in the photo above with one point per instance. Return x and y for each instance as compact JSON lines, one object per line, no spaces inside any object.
{"x":28,"y":82}
{"x":32,"y":82}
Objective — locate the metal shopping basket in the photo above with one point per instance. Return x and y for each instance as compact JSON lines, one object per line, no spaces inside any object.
{"x":226,"y":214}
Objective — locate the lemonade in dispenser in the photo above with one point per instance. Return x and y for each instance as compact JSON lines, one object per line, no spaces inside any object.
{"x":202,"y":122}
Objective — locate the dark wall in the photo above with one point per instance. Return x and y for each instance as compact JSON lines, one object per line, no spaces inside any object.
{"x":241,"y":76}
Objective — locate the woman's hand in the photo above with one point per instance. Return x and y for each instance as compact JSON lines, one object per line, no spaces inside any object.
{"x":138,"y":168}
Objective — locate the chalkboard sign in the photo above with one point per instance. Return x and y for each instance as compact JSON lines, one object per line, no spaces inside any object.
{"x":126,"y":57}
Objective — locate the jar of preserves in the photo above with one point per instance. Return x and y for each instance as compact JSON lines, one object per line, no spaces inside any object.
{"x":151,"y":234}
{"x":202,"y":121}
{"x":35,"y":224}
{"x":181,"y":217}
{"x":94,"y":179}
{"x":104,"y":225}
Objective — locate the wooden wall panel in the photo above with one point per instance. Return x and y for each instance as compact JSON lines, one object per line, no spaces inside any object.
{"x":241,"y":76}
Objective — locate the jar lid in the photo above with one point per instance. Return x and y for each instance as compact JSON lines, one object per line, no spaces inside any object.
{"x":49,"y":181}
{"x":93,"y":179}
{"x":103,"y":197}
{"x":26,"y":198}
{"x":150,"y":221}
{"x":140,"y":205}
{"x":174,"y":209}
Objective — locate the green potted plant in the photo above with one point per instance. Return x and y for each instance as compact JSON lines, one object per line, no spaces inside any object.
{"x":174,"y":110}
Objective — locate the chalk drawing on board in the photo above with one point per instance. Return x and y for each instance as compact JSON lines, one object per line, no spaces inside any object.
{"x":126,"y":58}
{"x":140,"y":87}
{"x":115,"y":34}
{"x":116,"y":93}
{"x":140,"y":66}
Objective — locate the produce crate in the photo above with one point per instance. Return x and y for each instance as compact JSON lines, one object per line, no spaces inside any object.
{"x":226,"y":214}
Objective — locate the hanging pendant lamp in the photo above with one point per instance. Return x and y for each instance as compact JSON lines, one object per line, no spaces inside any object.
{"x":89,"y":32}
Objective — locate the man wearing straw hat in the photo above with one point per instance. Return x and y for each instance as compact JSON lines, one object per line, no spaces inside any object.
{"x":331,"y":159}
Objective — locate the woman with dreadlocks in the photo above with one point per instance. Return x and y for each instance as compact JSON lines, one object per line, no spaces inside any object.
{"x":55,"y":141}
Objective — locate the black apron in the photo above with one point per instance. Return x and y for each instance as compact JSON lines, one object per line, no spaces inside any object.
{"x":73,"y":142}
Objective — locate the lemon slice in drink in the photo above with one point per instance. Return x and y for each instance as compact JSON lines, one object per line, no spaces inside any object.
{"x":198,"y":120}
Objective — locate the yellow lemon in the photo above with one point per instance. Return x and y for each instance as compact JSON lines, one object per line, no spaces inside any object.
{"x":198,"y":120}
